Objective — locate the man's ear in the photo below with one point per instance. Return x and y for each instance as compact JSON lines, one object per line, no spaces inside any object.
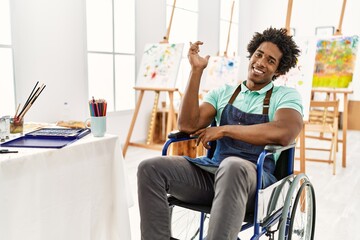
{"x":276,"y":75}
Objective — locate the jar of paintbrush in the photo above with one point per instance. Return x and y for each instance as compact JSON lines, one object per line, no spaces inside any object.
{"x":16,"y":125}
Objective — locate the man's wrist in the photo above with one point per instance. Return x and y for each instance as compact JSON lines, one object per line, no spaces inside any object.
{"x":228,"y":130}
{"x":197,"y":70}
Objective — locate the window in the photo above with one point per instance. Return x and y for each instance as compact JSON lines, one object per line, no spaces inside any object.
{"x":111,"y":52}
{"x":7,"y":89}
{"x":183,"y":30}
{"x":225,"y":19}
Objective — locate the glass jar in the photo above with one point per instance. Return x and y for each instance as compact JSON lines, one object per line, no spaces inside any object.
{"x":16,"y":125}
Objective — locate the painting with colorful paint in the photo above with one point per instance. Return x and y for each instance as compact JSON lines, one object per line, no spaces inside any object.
{"x":220,"y":71}
{"x":335,"y":61}
{"x":300,"y":77}
{"x":159,"y":65}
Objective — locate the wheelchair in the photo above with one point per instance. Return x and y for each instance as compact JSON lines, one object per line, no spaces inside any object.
{"x":284,"y":210}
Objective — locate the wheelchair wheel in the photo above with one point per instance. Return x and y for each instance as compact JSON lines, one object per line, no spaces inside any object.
{"x":298,"y":215}
{"x":302,"y":220}
{"x":185,"y":223}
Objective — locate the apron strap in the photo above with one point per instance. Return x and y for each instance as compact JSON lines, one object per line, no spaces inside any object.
{"x":237,"y":91}
{"x":266,"y":103}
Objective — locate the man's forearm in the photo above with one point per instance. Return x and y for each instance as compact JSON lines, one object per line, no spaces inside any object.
{"x":189,"y":112}
{"x":262,"y":134}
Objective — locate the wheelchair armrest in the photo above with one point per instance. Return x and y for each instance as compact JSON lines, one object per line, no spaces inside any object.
{"x":278,"y":148}
{"x":180,"y":135}
{"x":176,"y":136}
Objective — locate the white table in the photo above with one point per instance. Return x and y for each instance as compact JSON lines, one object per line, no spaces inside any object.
{"x":78,"y":192}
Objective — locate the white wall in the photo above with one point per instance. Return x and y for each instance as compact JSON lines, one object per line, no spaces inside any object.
{"x":208,"y":30}
{"x":49,"y":41}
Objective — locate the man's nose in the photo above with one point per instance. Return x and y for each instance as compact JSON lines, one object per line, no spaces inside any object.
{"x":260,"y":62}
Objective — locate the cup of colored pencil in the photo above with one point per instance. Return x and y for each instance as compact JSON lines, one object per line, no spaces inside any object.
{"x":97,"y":121}
{"x":97,"y":107}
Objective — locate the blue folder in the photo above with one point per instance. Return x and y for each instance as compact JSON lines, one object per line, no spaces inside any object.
{"x":48,"y":138}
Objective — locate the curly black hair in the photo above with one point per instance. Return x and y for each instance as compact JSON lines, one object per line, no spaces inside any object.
{"x":290,"y":51}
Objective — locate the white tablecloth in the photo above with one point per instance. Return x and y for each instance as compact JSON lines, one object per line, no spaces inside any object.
{"x":78,"y":192}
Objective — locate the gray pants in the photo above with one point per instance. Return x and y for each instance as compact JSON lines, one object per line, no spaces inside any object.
{"x":231,"y":191}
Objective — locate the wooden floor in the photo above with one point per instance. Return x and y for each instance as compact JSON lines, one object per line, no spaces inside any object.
{"x":337,"y":197}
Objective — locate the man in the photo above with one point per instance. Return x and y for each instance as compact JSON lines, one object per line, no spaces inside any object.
{"x":250,"y":115}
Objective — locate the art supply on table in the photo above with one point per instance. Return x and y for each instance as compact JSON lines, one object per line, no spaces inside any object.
{"x":4,"y":128}
{"x":71,"y":124}
{"x":7,"y":151}
{"x":97,"y":126}
{"x":97,"y":120}
{"x":16,"y":125}
{"x":47,"y":138}
{"x":97,"y":107}
{"x":35,"y":93}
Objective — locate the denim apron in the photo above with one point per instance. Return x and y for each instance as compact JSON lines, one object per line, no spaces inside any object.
{"x":228,"y":147}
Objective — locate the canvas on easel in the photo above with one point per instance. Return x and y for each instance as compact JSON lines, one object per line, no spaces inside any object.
{"x":157,"y":73}
{"x":300,"y":77}
{"x":159,"y":65}
{"x":335,"y":61}
{"x":220,"y":71}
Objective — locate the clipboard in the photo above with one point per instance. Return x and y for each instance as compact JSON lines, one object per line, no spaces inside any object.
{"x":48,"y":138}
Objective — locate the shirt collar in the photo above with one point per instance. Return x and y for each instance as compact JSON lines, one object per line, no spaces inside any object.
{"x":245,"y":89}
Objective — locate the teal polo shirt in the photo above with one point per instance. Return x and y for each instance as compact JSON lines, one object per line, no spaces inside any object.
{"x":252,"y":101}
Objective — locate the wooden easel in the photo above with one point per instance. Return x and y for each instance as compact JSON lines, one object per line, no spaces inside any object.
{"x":229,"y":31}
{"x":288,"y":16}
{"x":171,"y":120}
{"x":339,"y":29}
{"x":345,"y":92}
{"x":345,"y":110}
{"x":166,"y":37}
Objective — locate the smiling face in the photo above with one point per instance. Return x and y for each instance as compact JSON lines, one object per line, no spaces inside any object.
{"x":263,"y":66}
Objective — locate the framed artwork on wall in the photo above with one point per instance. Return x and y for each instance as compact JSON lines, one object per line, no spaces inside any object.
{"x":325,"y":31}
{"x":292,"y":32}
